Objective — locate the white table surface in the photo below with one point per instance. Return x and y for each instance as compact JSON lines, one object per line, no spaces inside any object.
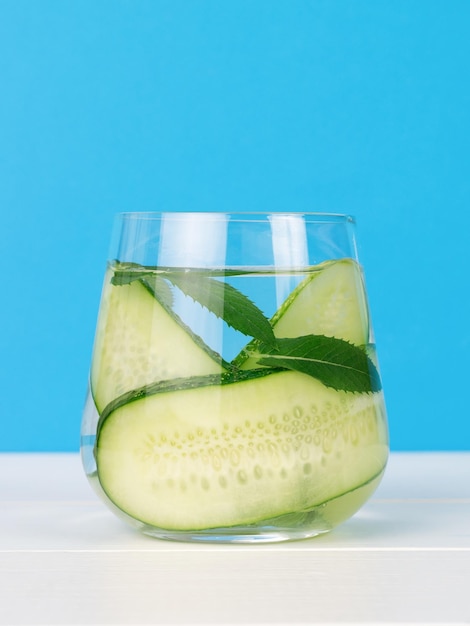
{"x":403,"y":559}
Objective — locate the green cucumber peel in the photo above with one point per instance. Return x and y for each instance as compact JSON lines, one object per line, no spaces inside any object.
{"x":181,"y":384}
{"x":160,"y":290}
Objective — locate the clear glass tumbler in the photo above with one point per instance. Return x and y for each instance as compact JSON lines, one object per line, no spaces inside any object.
{"x":234,"y":388}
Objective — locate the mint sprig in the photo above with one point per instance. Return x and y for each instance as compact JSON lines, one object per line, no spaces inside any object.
{"x":334,"y":362}
{"x":217,"y":296}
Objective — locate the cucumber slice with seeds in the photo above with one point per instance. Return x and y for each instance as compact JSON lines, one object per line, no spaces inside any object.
{"x":330,"y":302}
{"x":239,"y":453}
{"x":132,"y":319}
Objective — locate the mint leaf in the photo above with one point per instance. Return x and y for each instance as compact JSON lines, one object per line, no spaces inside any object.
{"x":125,"y":273}
{"x":334,"y":362}
{"x":225,"y":302}
{"x":219,"y":297}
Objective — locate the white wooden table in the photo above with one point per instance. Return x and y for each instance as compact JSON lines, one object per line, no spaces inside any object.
{"x":403,"y":559}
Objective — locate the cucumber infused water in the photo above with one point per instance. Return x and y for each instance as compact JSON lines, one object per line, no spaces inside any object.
{"x":234,"y":404}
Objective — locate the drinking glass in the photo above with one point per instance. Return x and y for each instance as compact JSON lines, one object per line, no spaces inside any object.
{"x":234,"y":391}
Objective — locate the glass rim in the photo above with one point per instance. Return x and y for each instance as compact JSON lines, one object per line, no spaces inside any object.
{"x":319,"y":216}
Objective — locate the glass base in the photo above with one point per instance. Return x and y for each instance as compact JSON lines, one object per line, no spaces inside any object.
{"x":289,"y":527}
{"x":243,"y":535}
{"x":262,"y":535}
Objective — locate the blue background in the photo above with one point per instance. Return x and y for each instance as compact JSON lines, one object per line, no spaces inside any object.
{"x":354,"y":106}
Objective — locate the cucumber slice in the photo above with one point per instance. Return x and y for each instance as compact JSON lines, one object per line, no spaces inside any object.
{"x":238,"y":453}
{"x":331,"y":301}
{"x":140,"y":341}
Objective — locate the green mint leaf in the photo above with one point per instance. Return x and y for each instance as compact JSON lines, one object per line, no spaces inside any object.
{"x":125,"y":273}
{"x":219,"y":297}
{"x":125,"y":278}
{"x":335,"y":362}
{"x":225,"y":302}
